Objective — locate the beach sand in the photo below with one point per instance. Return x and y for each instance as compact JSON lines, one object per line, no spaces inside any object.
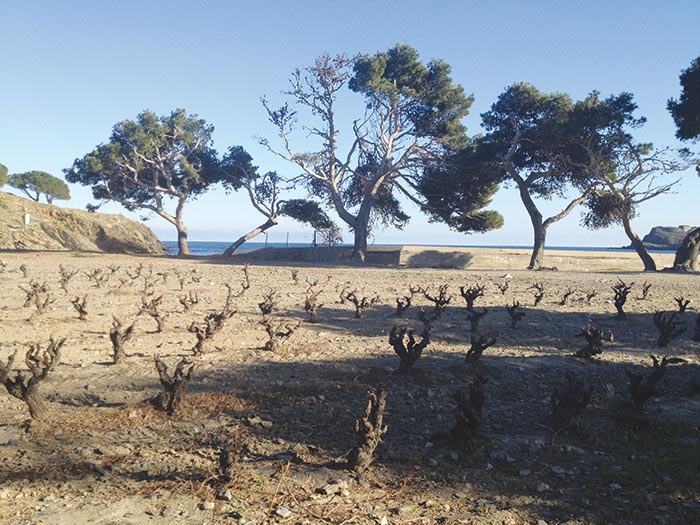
{"x":104,"y":455}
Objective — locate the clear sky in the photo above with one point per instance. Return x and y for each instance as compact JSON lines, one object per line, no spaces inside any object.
{"x":72,"y":69}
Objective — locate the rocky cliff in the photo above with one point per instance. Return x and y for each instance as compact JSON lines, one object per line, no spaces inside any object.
{"x":53,"y":228}
{"x":666,"y":237}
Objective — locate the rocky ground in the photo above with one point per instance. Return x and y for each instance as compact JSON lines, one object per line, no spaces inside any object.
{"x":106,"y":455}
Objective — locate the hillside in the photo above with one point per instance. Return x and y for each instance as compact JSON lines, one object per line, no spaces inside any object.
{"x":54,"y":228}
{"x":666,"y":237}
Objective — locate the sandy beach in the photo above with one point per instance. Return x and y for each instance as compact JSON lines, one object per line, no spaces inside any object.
{"x":105,"y":455}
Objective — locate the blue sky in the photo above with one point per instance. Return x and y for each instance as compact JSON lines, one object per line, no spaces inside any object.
{"x":72,"y":69}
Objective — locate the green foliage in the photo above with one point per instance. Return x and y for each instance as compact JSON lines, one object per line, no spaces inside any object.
{"x":528,"y":126}
{"x":602,"y":127}
{"x":686,"y":110}
{"x":455,"y":191}
{"x":237,"y":166}
{"x":423,"y":94}
{"x":412,"y":117}
{"x":603,"y":209}
{"x":308,"y":212}
{"x":37,"y":183}
{"x":386,"y":209}
{"x":625,"y":173}
{"x":3,"y":175}
{"x":148,"y":158}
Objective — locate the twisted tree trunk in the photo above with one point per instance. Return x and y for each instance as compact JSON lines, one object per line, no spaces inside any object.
{"x":637,"y":244}
{"x":538,"y":226}
{"x":687,"y":254}
{"x":272,"y":221}
{"x":183,"y":248}
{"x":361,"y":229}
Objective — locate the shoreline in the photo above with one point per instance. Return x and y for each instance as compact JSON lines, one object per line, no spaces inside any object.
{"x":405,"y":256}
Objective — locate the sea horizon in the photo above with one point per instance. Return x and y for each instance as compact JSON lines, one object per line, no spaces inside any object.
{"x":218,"y":247}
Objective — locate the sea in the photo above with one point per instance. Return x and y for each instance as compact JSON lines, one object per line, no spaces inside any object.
{"x":204,"y":248}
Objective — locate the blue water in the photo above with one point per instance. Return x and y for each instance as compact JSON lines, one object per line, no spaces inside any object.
{"x":217,"y":247}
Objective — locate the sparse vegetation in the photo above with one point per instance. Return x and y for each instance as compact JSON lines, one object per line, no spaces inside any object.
{"x":669,"y":327}
{"x":213,"y":322}
{"x":80,"y":305}
{"x":38,"y":295}
{"x":569,"y":402}
{"x":174,"y":386}
{"x":402,"y":304}
{"x":471,"y":294}
{"x":370,"y":430}
{"x":254,"y":409}
{"x":474,"y":318}
{"x":621,"y":290}
{"x":479,"y":344}
{"x":406,"y":347}
{"x":311,"y":304}
{"x":642,"y":387}
{"x":119,"y":335}
{"x":278,"y":332}
{"x":40,"y":362}
{"x":595,"y":341}
{"x":361,"y":304}
{"x":516,"y":314}
{"x":539,"y":292}
{"x":151,"y":306}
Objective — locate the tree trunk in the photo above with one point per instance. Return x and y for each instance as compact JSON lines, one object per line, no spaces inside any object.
{"x":361,"y":231}
{"x":538,"y":227}
{"x":537,"y":256}
{"x":38,"y":408}
{"x":272,"y":221}
{"x":687,"y":254}
{"x":183,"y":248}
{"x":638,"y":245}
{"x":359,"y":248}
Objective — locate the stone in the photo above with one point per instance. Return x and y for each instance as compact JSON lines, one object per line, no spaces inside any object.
{"x":524,"y":472}
{"x":542,"y":487}
{"x":335,"y":486}
{"x":225,"y":494}
{"x":615,"y":486}
{"x":558,"y":470}
{"x":501,"y":455}
{"x":283,"y":512}
{"x":206,"y":505}
{"x":257,"y":421}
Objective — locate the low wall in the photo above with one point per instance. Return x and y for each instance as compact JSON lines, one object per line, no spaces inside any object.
{"x":465,"y":258}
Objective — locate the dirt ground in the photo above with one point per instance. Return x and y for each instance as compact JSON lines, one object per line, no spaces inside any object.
{"x":105,"y":455}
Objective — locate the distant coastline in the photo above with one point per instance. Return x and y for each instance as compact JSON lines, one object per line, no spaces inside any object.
{"x":204,"y":248}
